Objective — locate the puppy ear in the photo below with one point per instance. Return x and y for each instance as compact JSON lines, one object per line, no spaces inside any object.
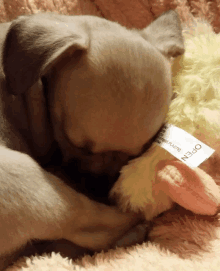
{"x":165,"y":34}
{"x":36,"y":42}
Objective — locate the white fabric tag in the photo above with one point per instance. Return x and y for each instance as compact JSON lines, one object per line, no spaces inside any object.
{"x":183,"y":146}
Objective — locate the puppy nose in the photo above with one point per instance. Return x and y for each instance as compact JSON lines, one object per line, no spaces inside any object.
{"x":97,"y":162}
{"x":107,"y":162}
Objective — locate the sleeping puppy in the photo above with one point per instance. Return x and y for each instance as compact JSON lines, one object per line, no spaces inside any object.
{"x":97,"y":90}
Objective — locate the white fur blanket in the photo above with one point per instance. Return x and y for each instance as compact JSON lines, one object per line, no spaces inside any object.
{"x":141,"y":258}
{"x":194,"y":239}
{"x":178,"y":240}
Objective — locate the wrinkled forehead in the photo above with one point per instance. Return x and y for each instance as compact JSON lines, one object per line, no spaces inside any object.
{"x":121,"y":95}
{"x":128,"y":53}
{"x":135,"y":94}
{"x":128,"y":68}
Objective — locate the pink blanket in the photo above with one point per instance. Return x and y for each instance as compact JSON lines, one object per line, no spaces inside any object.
{"x":131,"y":13}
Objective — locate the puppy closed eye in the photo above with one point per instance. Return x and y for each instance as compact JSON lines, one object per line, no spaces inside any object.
{"x":152,"y":140}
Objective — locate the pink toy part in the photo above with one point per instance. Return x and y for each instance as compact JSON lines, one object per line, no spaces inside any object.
{"x":193,"y":189}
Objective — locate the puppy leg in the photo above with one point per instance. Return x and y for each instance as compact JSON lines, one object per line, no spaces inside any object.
{"x":35,"y":204}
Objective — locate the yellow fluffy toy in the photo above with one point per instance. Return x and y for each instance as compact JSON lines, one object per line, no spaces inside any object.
{"x":157,"y":180}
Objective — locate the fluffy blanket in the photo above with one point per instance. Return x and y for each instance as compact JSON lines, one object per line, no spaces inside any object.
{"x":131,"y":13}
{"x":178,"y":239}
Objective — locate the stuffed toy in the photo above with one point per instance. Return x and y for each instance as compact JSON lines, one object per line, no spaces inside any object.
{"x":155,"y":181}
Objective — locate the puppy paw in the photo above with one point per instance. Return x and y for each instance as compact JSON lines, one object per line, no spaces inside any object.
{"x":136,"y":235}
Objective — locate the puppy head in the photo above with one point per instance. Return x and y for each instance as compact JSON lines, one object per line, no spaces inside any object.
{"x":109,"y":88}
